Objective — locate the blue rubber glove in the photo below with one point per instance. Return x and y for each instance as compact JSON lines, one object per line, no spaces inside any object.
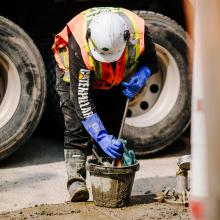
{"x":134,"y":85}
{"x":109,"y":144}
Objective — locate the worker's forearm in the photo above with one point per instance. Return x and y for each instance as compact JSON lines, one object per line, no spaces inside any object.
{"x":81,"y":94}
{"x":80,"y":83}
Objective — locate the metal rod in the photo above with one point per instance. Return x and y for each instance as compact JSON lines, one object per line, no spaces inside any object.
{"x":123,"y":119}
{"x":122,"y":123}
{"x":97,"y":156}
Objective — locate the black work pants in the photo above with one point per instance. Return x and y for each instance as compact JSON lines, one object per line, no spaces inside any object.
{"x":110,"y":105}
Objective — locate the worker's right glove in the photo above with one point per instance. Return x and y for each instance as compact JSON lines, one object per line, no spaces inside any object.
{"x":134,"y":85}
{"x":109,"y":144}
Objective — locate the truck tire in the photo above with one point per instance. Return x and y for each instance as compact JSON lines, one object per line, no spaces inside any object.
{"x":161,"y":112}
{"x":22,"y":87}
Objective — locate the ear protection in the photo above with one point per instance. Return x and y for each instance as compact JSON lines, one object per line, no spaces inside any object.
{"x":126,"y":34}
{"x":88,"y":34}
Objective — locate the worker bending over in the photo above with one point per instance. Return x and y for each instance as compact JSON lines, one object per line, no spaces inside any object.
{"x":104,"y":56}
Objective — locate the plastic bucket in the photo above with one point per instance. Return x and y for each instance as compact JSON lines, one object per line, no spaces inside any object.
{"x":111,"y":186}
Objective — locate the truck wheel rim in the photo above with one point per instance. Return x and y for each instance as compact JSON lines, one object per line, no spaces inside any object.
{"x":159,"y":96}
{"x":10,"y":89}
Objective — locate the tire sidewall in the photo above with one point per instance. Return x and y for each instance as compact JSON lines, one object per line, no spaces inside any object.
{"x":20,"y":49}
{"x":151,"y":139}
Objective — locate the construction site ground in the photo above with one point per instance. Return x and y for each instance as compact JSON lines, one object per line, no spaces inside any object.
{"x":33,"y":184}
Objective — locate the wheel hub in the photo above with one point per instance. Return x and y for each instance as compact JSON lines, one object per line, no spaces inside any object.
{"x":147,"y":97}
{"x":158,"y":97}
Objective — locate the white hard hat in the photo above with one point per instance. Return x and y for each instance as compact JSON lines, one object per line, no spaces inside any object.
{"x":107,"y":36}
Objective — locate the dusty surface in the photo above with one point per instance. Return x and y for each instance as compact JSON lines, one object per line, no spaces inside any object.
{"x":33,"y":185}
{"x":88,"y":211}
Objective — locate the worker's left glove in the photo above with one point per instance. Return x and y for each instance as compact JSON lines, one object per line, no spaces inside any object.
{"x":110,"y":145}
{"x":134,"y":85}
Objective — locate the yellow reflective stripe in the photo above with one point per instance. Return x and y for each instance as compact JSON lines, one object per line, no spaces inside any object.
{"x":137,"y":35}
{"x":87,"y":14}
{"x":93,"y":43}
{"x":90,"y":13}
{"x":86,"y":45}
{"x":84,"y":33}
{"x":126,"y":60}
{"x":99,"y":72}
{"x":64,"y":57}
{"x":126,"y":54}
{"x":66,"y":61}
{"x":66,"y":77}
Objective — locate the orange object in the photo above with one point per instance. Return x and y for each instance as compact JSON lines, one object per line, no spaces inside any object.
{"x":197,"y":210}
{"x":118,"y":163}
{"x":106,"y":77}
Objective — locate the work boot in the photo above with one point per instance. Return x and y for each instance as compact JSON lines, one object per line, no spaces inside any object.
{"x":76,"y":172}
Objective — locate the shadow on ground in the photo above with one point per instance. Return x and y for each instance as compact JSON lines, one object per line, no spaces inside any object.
{"x":46,"y":146}
{"x":179,"y":147}
{"x":142,"y":199}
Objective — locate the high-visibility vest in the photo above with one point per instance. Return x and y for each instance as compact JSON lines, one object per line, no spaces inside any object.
{"x":106,"y":77}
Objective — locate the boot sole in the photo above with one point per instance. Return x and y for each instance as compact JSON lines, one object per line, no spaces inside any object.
{"x":80,"y":196}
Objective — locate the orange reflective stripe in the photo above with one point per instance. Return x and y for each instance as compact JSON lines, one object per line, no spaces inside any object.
{"x":120,"y":69}
{"x":109,"y":77}
{"x":105,"y":75}
{"x":60,"y":44}
{"x":78,"y":28}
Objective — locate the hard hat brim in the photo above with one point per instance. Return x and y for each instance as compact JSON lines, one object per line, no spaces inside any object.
{"x":106,"y":58}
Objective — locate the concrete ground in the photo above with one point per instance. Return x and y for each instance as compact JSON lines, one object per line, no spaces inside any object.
{"x":36,"y":174}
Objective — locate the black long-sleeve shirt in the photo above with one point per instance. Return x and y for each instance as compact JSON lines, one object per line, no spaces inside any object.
{"x":81,"y":79}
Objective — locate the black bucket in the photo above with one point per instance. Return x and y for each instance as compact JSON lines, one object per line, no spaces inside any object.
{"x":111,"y":186}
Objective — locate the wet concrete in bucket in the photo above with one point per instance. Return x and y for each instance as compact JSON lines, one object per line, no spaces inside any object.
{"x":111,"y":186}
